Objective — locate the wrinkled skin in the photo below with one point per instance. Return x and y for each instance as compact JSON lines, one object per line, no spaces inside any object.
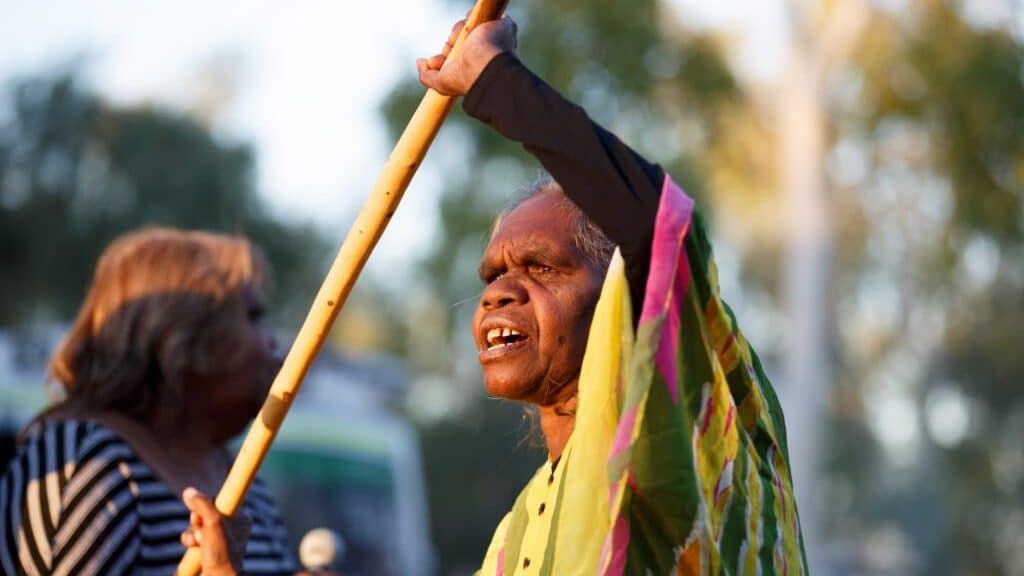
{"x":539,"y":285}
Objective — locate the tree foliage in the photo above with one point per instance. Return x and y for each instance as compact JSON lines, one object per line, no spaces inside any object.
{"x":75,"y":172}
{"x":928,"y":290}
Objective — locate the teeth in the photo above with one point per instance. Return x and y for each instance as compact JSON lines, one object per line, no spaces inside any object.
{"x":496,"y":337}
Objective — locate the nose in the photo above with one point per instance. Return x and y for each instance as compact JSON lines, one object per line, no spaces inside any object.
{"x":504,"y":291}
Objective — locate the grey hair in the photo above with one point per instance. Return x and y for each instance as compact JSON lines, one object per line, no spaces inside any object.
{"x":590,"y":240}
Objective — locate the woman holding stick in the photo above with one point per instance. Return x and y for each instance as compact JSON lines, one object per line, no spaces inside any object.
{"x":666,"y":443}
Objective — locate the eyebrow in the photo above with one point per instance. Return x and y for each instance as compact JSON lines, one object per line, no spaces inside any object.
{"x":530,"y":251}
{"x":486,"y":270}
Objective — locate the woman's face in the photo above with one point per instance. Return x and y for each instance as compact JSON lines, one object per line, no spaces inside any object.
{"x":534,"y":314}
{"x":235,"y":394}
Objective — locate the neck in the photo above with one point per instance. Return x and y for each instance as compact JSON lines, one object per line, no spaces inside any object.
{"x":557,"y":422}
{"x":195,"y":459}
{"x":189,"y":448}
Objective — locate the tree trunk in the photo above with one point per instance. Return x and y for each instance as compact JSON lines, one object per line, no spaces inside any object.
{"x":807,"y":366}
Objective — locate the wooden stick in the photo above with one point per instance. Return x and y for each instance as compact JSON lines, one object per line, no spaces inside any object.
{"x":362,"y":237}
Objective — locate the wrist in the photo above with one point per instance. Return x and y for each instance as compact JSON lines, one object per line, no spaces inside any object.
{"x":495,"y":73}
{"x":478,"y":57}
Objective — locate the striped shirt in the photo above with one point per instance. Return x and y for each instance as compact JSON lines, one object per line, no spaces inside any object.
{"x":77,"y":500}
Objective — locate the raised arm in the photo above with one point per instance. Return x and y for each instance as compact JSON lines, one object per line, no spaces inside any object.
{"x":617,"y":188}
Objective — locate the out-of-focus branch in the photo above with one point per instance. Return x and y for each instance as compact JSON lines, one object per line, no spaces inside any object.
{"x":840,"y":32}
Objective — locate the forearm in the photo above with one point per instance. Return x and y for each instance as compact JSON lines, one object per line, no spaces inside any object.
{"x":616,"y":187}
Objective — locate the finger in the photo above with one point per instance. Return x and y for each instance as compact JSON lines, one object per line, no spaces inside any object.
{"x":432,"y":63}
{"x":423,"y":67}
{"x":428,"y":76}
{"x":192,"y":538}
{"x":214,"y":552}
{"x":203,"y":512}
{"x":456,"y":29}
{"x":453,"y":36}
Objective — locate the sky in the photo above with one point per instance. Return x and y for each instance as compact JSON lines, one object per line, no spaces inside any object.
{"x":300,"y":81}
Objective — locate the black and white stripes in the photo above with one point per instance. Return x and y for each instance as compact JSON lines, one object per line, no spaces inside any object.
{"x":77,"y":500}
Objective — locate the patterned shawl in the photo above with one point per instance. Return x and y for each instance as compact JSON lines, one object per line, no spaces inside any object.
{"x":678,"y":461}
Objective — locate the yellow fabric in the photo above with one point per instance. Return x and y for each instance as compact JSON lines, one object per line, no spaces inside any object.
{"x":584,"y":499}
{"x":490,"y":566}
{"x":540,"y":492}
{"x":543,"y":488}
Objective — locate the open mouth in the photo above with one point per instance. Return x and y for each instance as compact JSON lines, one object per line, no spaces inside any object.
{"x":498,"y":338}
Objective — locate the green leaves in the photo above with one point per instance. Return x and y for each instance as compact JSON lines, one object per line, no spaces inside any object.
{"x":75,"y":172}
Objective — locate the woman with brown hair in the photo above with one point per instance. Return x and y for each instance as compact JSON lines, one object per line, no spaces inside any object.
{"x":165,"y":363}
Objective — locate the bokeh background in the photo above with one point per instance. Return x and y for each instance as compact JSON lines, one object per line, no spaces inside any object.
{"x":861,"y":162}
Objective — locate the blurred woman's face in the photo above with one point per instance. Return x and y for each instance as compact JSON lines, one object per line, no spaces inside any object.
{"x":237,"y":392}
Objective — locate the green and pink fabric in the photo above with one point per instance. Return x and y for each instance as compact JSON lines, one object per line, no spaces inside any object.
{"x":678,"y":461}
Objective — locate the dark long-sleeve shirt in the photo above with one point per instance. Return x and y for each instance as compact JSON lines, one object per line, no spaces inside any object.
{"x":614,"y":186}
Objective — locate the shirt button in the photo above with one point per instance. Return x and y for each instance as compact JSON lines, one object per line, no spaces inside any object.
{"x":541,"y":510}
{"x":526,"y":562}
{"x":551,"y":478}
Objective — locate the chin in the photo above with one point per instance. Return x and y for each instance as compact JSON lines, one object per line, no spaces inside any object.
{"x":507,"y":386}
{"x":501,"y":391}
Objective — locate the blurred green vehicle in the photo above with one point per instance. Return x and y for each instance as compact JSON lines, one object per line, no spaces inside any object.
{"x":345,"y":458}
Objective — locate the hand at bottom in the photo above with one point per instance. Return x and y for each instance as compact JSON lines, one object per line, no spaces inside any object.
{"x":221,"y":540}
